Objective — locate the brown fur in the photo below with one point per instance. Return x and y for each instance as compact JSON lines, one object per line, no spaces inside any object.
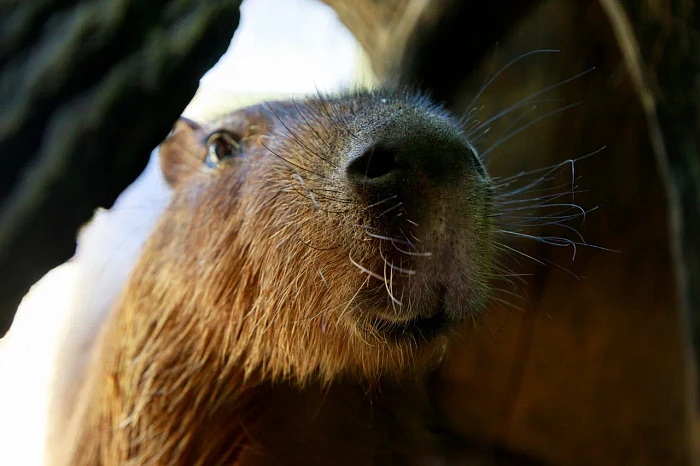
{"x":246,"y":323}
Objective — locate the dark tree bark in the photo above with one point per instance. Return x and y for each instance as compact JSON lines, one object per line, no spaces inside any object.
{"x":87,"y":90}
{"x":661,"y":41}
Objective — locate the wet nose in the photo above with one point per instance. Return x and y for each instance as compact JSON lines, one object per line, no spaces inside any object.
{"x":412,"y":158}
{"x":376,"y":165}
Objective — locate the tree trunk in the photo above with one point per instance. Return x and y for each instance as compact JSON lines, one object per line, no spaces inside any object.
{"x":87,"y":90}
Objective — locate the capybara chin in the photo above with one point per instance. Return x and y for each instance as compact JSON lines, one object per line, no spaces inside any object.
{"x":318,"y":243}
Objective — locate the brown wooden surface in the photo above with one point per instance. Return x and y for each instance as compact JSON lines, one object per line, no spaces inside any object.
{"x":662,"y":45}
{"x":660,"y":41}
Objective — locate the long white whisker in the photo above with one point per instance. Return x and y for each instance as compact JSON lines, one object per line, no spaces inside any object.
{"x":365,"y":270}
{"x":394,"y":267}
{"x":524,"y":127}
{"x":504,"y":68}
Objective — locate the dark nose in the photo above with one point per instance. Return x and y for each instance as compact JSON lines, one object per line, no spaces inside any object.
{"x":374,"y":166}
{"x":413,"y":158}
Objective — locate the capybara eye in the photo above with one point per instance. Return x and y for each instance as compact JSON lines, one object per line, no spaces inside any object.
{"x":220,"y":146}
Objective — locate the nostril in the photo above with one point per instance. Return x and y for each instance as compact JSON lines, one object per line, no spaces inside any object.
{"x":374,"y":163}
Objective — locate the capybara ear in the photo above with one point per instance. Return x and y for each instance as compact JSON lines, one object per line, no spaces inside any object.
{"x":183,"y":151}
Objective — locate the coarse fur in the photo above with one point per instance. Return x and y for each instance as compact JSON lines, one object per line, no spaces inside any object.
{"x":286,"y":280}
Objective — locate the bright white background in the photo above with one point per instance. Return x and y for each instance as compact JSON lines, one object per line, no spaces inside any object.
{"x":286,"y":46}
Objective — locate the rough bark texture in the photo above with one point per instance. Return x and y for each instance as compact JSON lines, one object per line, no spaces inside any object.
{"x":87,"y":90}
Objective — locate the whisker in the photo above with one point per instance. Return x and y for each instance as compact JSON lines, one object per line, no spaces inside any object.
{"x":390,"y":209}
{"x":556,"y":241}
{"x":503,"y":69}
{"x":388,"y":238}
{"x":323,"y":279}
{"x":389,"y":284}
{"x":540,"y":200}
{"x":524,"y":127}
{"x":318,"y":136}
{"x":350,"y":301}
{"x":365,"y":270}
{"x":296,"y":139}
{"x":528,"y":100}
{"x":322,"y":101}
{"x":516,"y":106}
{"x":549,"y":168}
{"x":543,"y":261}
{"x":382,"y":201}
{"x":557,"y":216}
{"x":394,"y":267}
{"x":314,"y":247}
{"x":409,"y":253}
{"x":324,"y":197}
{"x":505,"y":246}
{"x":289,"y":161}
{"x":406,"y":238}
{"x":311,"y":194}
{"x":415,"y":238}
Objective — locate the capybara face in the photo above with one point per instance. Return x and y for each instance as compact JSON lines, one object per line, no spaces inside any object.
{"x":332,"y":236}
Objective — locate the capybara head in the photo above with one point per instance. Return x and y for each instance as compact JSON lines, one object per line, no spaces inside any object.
{"x":326,"y":237}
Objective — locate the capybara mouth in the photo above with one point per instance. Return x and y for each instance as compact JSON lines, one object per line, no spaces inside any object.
{"x":419,"y":328}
